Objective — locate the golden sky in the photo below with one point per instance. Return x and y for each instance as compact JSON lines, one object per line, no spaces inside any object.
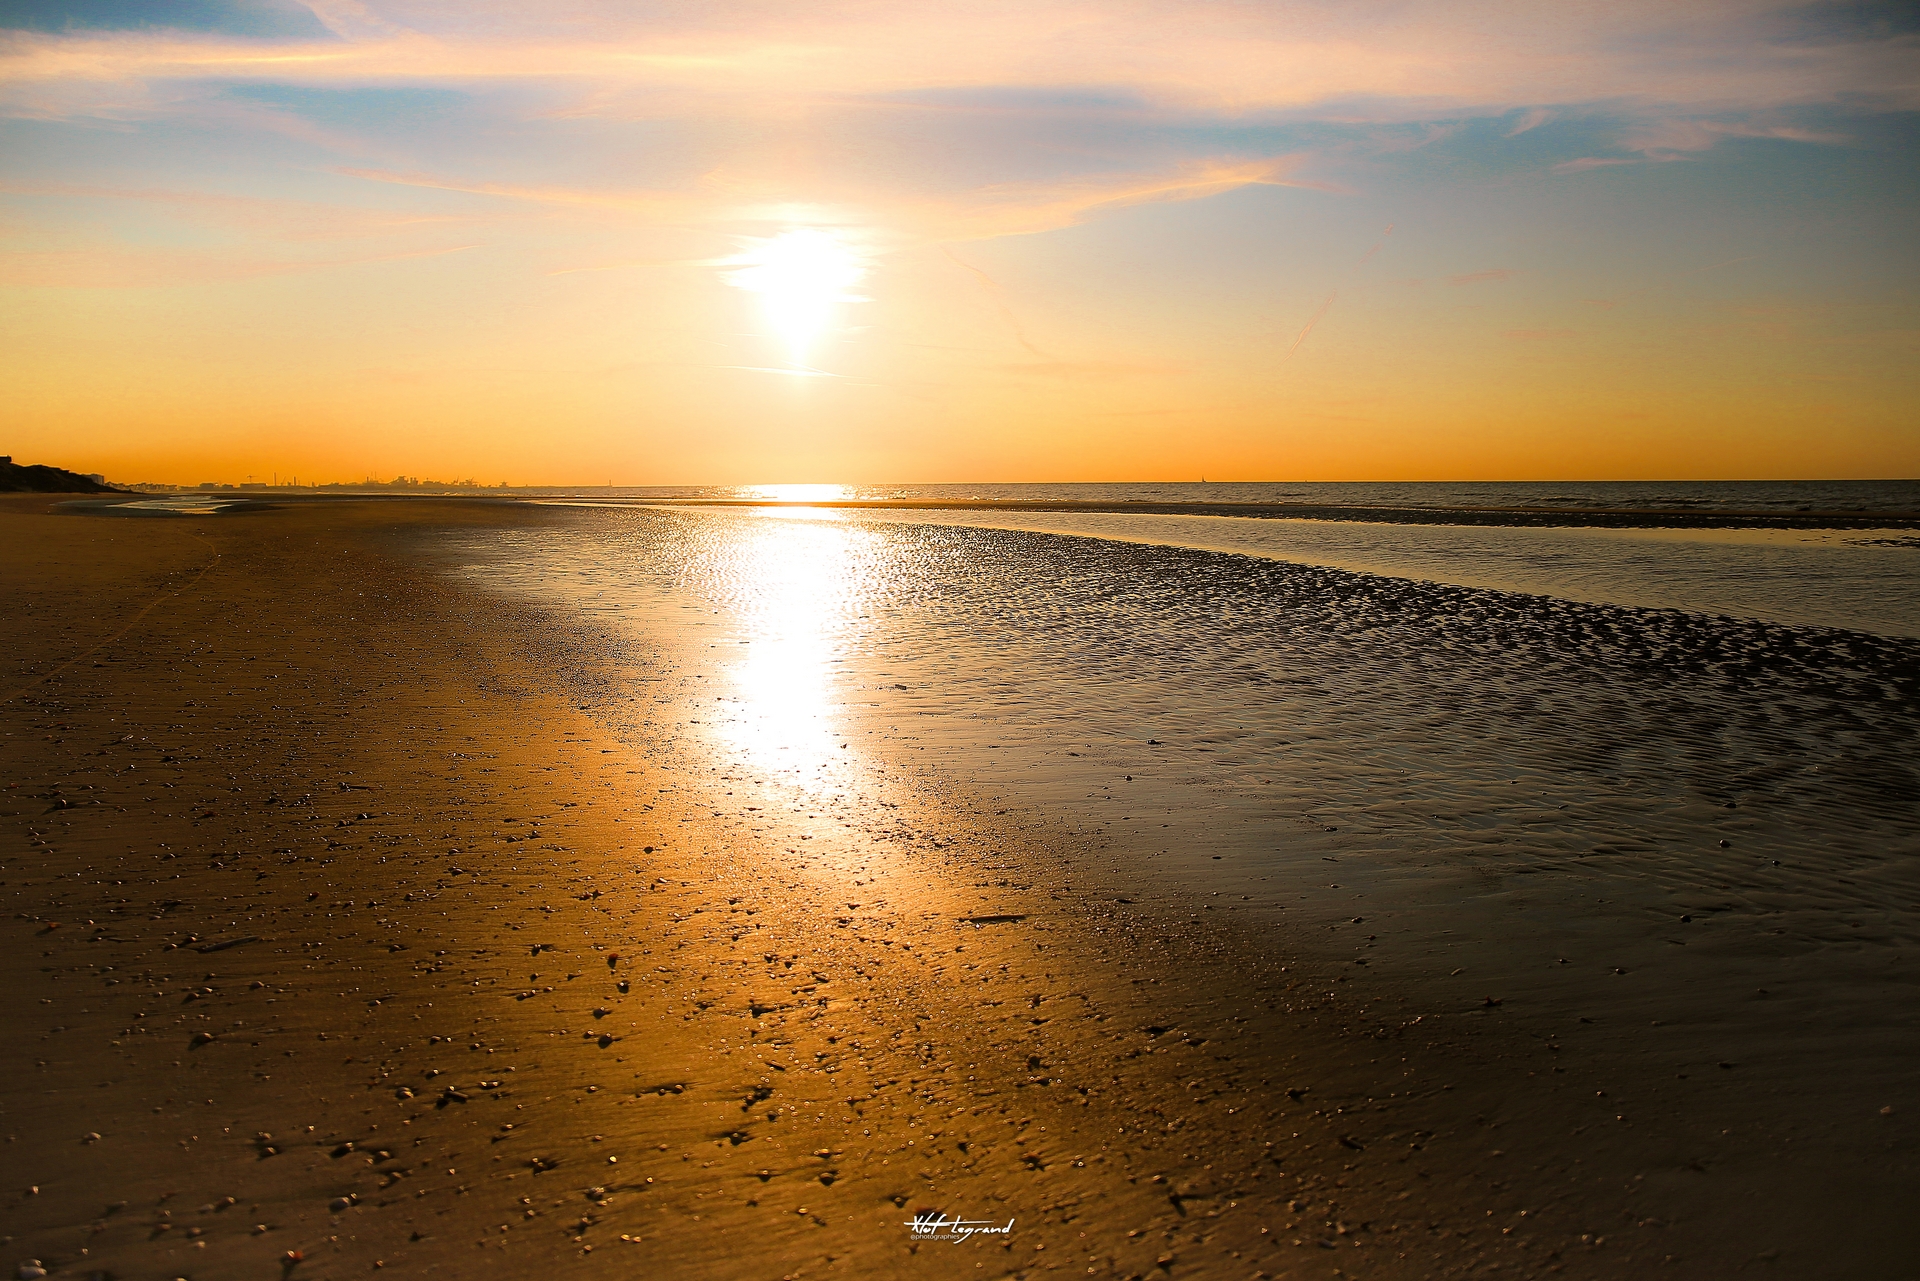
{"x":725,"y":243}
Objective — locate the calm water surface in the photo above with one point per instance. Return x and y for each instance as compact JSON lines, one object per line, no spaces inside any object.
{"x":1862,"y":580}
{"x":1861,"y":496}
{"x":1697,"y":836}
{"x":1207,"y":709}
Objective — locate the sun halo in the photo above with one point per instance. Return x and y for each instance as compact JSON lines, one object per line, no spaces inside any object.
{"x":802,"y":276}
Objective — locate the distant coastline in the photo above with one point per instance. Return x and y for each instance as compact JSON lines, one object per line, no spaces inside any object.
{"x":37,"y":478}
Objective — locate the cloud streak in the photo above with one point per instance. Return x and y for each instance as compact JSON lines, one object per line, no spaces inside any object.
{"x":1002,"y":210}
{"x":1308,"y":327}
{"x":1228,"y":59}
{"x":919,"y":122}
{"x":1669,"y":140}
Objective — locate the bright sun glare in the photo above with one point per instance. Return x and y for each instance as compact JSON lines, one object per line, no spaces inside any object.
{"x":799,"y":493}
{"x":801,"y":589}
{"x":802,"y":276}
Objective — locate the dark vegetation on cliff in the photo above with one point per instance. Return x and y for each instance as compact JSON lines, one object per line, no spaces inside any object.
{"x":40,"y":479}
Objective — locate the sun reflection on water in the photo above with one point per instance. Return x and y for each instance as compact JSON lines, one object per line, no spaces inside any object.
{"x":796,"y":588}
{"x":798,"y":493}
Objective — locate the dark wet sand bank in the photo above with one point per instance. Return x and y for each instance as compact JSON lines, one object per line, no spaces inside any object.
{"x":318,"y":848}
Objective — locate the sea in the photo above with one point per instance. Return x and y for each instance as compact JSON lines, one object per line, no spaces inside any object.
{"x":1852,"y":496}
{"x":1552,"y":754}
{"x":1859,"y":577}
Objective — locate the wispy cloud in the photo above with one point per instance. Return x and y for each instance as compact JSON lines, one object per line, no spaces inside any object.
{"x":1024,"y":208}
{"x":1668,"y":140}
{"x":656,"y":204}
{"x":1432,"y":62}
{"x":999,"y":210}
{"x":351,"y":20}
{"x":931,"y":122}
{"x":1532,"y":119}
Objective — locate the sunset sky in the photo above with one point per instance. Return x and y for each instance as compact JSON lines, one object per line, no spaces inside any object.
{"x":729,"y":242}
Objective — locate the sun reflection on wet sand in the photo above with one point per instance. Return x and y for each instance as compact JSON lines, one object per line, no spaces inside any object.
{"x":796,"y":586}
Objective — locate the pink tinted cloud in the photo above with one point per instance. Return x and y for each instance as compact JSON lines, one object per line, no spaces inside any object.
{"x":744,"y":72}
{"x":1672,"y":136}
{"x":1420,"y":62}
{"x":1665,"y":141}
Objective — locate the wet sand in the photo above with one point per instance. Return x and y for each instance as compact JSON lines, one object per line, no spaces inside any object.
{"x":279,"y":793}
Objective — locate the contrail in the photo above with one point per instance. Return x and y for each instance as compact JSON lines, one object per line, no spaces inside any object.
{"x":1309,"y":327}
{"x":1000,"y":301}
{"x":1376,"y":248}
{"x":1302,"y":337}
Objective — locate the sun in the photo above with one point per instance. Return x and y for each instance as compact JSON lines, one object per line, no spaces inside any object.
{"x":802,"y":276}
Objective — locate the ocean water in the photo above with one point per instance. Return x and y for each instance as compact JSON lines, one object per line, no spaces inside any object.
{"x":1851,"y":496}
{"x":1861,"y":579}
{"x":1693,"y":837}
{"x":168,"y":505}
{"x":1247,"y":708}
{"x":1866,"y":580}
{"x":1554,"y":795}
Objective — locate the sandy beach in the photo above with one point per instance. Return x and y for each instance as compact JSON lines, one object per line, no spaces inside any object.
{"x":280,"y":789}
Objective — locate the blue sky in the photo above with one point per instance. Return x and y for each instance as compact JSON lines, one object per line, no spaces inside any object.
{"x":1062,"y":215}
